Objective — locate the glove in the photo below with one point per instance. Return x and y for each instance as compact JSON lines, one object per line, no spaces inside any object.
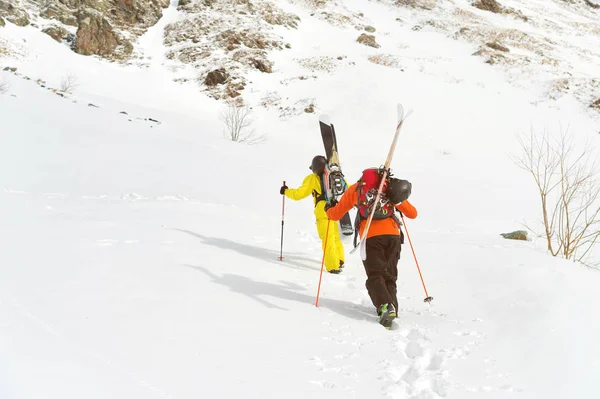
{"x":282,"y":189}
{"x":330,"y":204}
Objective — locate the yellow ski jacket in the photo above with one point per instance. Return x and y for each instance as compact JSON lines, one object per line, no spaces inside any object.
{"x":310,"y":185}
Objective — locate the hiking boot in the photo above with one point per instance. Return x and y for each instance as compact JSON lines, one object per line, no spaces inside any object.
{"x":335,"y":271}
{"x":387,"y":313}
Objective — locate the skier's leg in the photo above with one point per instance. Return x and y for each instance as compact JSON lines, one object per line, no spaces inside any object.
{"x":332,"y":261}
{"x":376,"y":268}
{"x":392,"y":270}
{"x":339,"y":246}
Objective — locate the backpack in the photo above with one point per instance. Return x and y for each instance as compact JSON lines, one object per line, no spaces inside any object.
{"x":366,"y":191}
{"x":332,"y":182}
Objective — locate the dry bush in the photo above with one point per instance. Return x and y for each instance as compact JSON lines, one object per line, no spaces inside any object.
{"x":568,"y":182}
{"x":239,"y":125}
{"x":387,"y":60}
{"x":68,"y":83}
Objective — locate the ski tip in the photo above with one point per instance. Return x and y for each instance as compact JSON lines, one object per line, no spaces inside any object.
{"x":325,"y":119}
{"x":400,"y":109}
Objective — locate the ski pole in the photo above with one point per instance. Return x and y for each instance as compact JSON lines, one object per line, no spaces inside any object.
{"x":323,"y":262}
{"x":282,"y":222}
{"x":427,"y":297}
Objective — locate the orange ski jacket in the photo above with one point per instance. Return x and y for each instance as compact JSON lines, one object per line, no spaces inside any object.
{"x":380,"y":227}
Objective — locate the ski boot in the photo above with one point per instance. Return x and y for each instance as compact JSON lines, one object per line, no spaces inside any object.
{"x":387,"y":313}
{"x":335,"y":271}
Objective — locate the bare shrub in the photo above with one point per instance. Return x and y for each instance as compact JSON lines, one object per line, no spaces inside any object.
{"x":68,"y":83}
{"x":239,"y":125}
{"x":385,"y":60}
{"x":4,"y":86}
{"x":568,"y":182}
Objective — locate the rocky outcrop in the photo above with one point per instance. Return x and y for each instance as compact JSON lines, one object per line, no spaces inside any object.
{"x":489,"y":5}
{"x":495,"y":7}
{"x":10,"y":11}
{"x":224,"y":39}
{"x":103,"y":27}
{"x":497,"y":46}
{"x":95,"y":35}
{"x":368,"y":40}
{"x":59,"y":12}
{"x":58,"y":33}
{"x":216,"y":77}
{"x":423,"y":4}
{"x":137,"y":14}
{"x":2,"y":23}
{"x":520,"y":235}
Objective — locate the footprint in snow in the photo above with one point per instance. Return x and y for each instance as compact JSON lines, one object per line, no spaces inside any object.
{"x":435,"y":363}
{"x":413,"y":350}
{"x":423,"y":378}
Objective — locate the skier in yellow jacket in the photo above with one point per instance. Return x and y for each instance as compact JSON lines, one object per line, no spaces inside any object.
{"x":334,"y":253}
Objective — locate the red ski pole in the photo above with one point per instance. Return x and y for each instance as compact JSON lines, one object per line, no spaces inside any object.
{"x":427,"y":297}
{"x":323,"y":263}
{"x":282,"y":221}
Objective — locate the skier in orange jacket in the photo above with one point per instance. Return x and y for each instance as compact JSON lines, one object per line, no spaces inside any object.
{"x":384,"y":238}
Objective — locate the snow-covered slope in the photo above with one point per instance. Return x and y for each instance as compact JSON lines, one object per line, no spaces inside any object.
{"x":139,"y":255}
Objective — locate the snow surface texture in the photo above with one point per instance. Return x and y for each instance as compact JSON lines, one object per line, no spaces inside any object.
{"x":140,"y":249}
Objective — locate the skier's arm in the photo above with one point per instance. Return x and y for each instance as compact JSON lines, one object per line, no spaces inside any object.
{"x":301,"y":192}
{"x":407,"y":209}
{"x":346,"y":203}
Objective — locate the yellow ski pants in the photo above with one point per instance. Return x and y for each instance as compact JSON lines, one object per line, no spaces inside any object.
{"x":334,"y":252}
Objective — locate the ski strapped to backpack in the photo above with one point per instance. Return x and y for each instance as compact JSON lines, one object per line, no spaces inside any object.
{"x":384,"y":175}
{"x":335,"y":178}
{"x":332,"y":184}
{"x":366,"y":190}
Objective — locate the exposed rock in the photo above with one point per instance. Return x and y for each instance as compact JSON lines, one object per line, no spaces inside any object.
{"x":310,"y":109}
{"x":263,"y":65}
{"x":56,"y":32}
{"x":103,"y":25}
{"x":140,"y":13}
{"x":424,"y":4}
{"x":497,"y":46}
{"x":274,"y":16}
{"x":368,"y":40}
{"x":488,"y":5}
{"x":2,"y":23}
{"x":369,"y":29}
{"x":95,"y":35}
{"x":59,"y":12}
{"x":233,"y":36}
{"x":216,"y":77}
{"x":232,"y":40}
{"x":11,"y":13}
{"x":495,"y":59}
{"x":595,"y":104}
{"x":495,"y":7}
{"x":593,"y":5}
{"x":515,"y":235}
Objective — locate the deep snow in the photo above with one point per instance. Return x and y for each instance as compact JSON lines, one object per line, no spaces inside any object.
{"x":140,"y":258}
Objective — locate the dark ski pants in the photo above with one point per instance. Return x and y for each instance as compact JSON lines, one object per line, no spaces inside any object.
{"x":383,"y":254}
